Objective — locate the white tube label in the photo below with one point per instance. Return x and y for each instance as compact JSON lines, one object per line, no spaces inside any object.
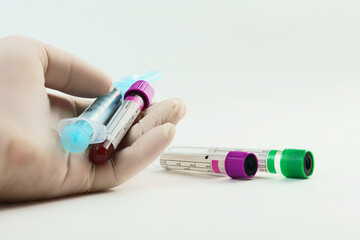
{"x":121,"y":122}
{"x":210,"y":163}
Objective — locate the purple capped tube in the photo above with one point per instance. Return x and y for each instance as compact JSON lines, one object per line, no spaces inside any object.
{"x":136,"y":99}
{"x":235,"y":164}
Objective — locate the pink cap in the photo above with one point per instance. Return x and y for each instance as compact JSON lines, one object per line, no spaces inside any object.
{"x":142,"y":88}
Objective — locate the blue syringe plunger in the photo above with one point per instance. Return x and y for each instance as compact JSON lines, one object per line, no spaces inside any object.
{"x":76,"y":137}
{"x":78,"y":133}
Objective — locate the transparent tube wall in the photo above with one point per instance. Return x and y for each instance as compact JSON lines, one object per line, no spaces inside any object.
{"x":194,"y":159}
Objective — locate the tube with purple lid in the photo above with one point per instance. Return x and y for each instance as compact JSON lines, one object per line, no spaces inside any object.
{"x":136,"y":99}
{"x":235,"y":164}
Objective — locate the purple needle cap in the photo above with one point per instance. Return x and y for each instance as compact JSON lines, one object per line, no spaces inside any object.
{"x":241,"y":164}
{"x":142,"y":88}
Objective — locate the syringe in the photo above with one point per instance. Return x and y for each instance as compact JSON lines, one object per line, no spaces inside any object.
{"x":235,"y":164}
{"x":137,"y":98}
{"x":292,"y":163}
{"x":77,"y":133}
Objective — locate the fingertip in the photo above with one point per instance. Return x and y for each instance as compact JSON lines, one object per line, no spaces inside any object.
{"x":108,"y":83}
{"x":169,"y":130}
{"x":181,"y":106}
{"x":175,"y":110}
{"x":99,"y":84}
{"x":111,"y":88}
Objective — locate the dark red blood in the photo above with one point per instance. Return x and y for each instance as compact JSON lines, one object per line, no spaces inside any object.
{"x":99,"y":154}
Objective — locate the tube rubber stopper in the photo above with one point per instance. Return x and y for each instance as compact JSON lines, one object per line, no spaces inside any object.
{"x":144,"y":89}
{"x":297,"y":163}
{"x":240,"y":164}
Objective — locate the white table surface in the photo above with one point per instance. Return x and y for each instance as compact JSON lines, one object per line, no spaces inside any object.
{"x":162,"y":205}
{"x":258,"y":74}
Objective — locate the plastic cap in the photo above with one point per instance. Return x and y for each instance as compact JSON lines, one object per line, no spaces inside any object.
{"x":75,"y":138}
{"x":151,"y":76}
{"x":297,"y":163}
{"x":241,"y":164}
{"x":144,"y":89}
{"x":125,"y":83}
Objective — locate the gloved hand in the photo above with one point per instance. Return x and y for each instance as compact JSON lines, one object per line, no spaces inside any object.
{"x":33,"y":163}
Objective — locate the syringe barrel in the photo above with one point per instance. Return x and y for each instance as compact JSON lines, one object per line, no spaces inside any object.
{"x":89,"y":128}
{"x":236,"y":164}
{"x":95,"y":116}
{"x":292,"y":163}
{"x":103,"y":107}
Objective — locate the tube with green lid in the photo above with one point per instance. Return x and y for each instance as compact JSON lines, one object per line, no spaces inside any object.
{"x":292,"y":163}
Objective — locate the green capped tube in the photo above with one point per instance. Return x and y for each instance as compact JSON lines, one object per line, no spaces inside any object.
{"x":292,"y":163}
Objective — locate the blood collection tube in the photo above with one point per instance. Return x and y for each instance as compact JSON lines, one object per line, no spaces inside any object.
{"x":291,"y":163}
{"x":235,"y":164}
{"x":77,"y":133}
{"x":137,"y":98}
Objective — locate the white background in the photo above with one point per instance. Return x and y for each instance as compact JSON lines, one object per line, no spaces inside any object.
{"x":259,"y":74}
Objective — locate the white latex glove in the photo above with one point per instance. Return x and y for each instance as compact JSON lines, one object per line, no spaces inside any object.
{"x":33,"y":163}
